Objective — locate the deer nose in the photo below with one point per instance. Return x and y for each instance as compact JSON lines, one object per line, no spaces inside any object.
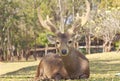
{"x":64,"y":51}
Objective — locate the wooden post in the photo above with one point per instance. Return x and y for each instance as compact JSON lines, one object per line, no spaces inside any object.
{"x":46,"y":48}
{"x":56,"y":48}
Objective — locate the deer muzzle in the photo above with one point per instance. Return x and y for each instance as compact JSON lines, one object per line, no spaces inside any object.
{"x":64,"y":52}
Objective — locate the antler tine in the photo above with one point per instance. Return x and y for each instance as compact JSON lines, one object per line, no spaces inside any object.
{"x":85,"y":18}
{"x":47,"y":24}
{"x":79,"y":19}
{"x":50,"y":24}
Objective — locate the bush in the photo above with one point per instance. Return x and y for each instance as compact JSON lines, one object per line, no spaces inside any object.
{"x":117,"y":44}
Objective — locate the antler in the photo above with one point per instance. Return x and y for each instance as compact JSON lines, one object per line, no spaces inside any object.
{"x":83,"y":19}
{"x":47,"y":24}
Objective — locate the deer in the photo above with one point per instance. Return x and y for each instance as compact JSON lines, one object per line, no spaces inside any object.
{"x":75,"y":63}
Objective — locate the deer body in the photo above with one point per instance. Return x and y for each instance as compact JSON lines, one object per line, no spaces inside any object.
{"x":51,"y":67}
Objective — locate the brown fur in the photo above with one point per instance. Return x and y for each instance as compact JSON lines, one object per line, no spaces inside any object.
{"x":51,"y":67}
{"x":76,"y":64}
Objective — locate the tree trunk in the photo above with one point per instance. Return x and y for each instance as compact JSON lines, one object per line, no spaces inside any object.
{"x":22,"y":54}
{"x":109,"y":46}
{"x":105,"y":46}
{"x":88,"y":43}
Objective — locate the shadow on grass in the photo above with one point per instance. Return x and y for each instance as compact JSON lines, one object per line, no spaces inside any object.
{"x":27,"y":72}
{"x":105,"y":66}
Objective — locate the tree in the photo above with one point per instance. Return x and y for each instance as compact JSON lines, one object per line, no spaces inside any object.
{"x":107,"y":26}
{"x":18,"y":25}
{"x":8,"y":23}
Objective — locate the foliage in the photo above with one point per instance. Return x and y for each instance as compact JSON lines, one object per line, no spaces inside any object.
{"x":83,"y":50}
{"x":117,"y":43}
{"x":41,"y":40}
{"x":110,"y":4}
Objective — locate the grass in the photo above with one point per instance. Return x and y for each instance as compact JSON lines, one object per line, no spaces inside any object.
{"x":7,"y":67}
{"x":103,"y":68}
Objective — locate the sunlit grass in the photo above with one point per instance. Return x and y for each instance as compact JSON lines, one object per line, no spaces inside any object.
{"x":103,"y":68}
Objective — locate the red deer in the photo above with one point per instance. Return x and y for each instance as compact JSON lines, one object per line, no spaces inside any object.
{"x":75,"y":63}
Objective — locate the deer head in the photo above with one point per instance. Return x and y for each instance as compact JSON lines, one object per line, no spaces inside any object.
{"x":65,"y":40}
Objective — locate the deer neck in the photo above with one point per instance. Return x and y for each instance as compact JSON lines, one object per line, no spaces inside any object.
{"x":70,"y":58}
{"x":70,"y":61}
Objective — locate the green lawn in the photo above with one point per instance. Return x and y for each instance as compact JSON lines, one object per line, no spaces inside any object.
{"x":103,"y":68}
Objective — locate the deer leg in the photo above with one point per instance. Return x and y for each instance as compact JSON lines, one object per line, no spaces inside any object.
{"x":57,"y":76}
{"x":39,"y":72}
{"x":84,"y":76}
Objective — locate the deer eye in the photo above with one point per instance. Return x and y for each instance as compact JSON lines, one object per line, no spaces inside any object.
{"x":69,"y":42}
{"x":57,"y":42}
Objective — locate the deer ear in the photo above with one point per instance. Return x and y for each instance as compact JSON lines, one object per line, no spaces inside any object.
{"x":51,"y":38}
